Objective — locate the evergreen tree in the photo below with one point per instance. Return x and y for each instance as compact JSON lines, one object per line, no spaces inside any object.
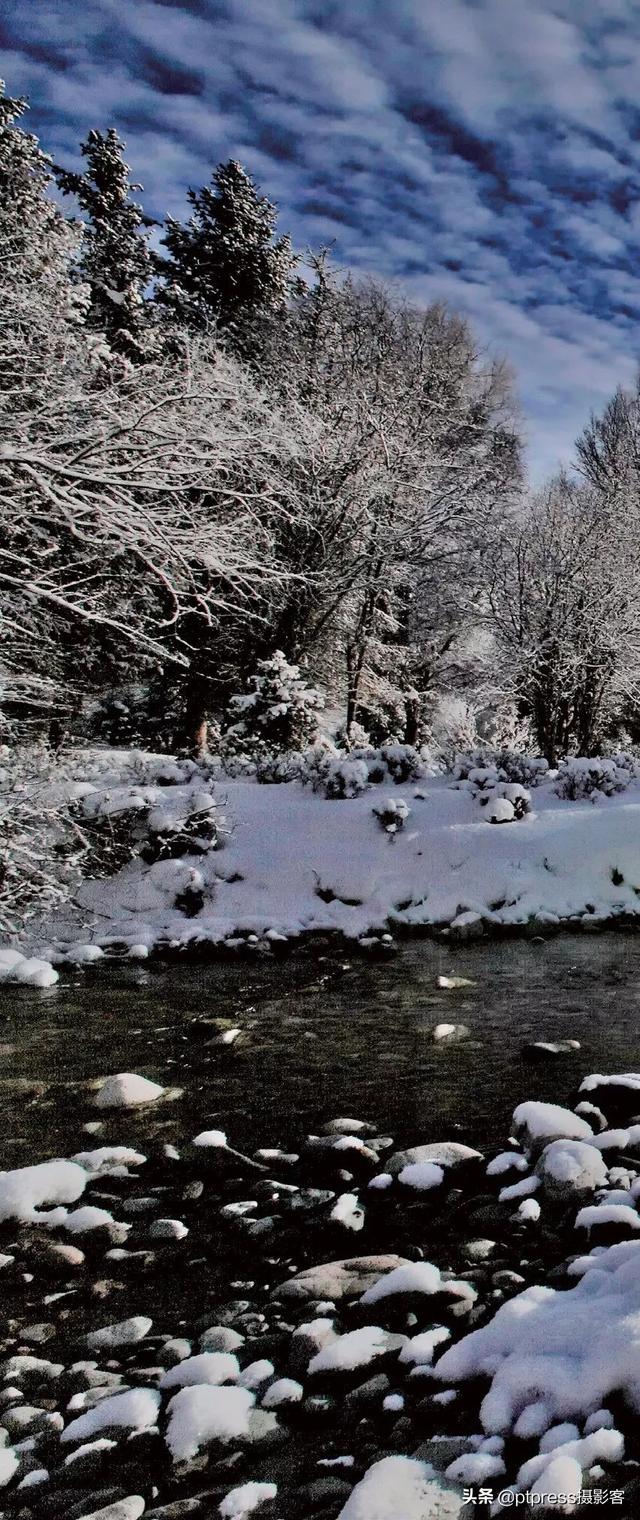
{"x":225,"y":265}
{"x":115,"y":259}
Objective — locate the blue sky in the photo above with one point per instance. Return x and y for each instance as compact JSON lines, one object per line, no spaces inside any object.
{"x":482,"y":151}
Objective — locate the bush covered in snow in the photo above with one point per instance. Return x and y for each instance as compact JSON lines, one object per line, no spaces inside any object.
{"x":278,"y":713}
{"x":583,"y":778}
{"x":508,"y":765}
{"x":342,"y":778}
{"x":391,"y":814}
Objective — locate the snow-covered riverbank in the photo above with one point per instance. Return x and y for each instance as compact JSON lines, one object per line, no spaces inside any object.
{"x":294,"y":862}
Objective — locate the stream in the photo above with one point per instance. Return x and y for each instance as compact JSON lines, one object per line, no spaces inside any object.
{"x":318,"y":1037}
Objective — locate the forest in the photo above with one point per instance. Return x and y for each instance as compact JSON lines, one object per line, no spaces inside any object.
{"x":240,"y":485}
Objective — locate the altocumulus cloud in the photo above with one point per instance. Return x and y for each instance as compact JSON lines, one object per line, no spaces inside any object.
{"x":486,"y":152}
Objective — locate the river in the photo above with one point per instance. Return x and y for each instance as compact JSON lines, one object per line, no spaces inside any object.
{"x":319,"y":1037}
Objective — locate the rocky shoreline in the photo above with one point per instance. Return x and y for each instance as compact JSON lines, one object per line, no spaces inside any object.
{"x":181,"y":1327}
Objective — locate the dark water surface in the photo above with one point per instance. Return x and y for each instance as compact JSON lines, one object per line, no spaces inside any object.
{"x":317,"y":1041}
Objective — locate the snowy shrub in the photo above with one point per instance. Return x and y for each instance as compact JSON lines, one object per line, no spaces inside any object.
{"x":344,"y":778}
{"x":278,"y":714}
{"x":505,"y":764}
{"x":526,"y":770}
{"x":273,"y":770}
{"x":356,"y":738}
{"x":403,"y":762}
{"x":391,"y":814}
{"x":471,"y":760}
{"x":516,"y":798}
{"x":584,"y":778}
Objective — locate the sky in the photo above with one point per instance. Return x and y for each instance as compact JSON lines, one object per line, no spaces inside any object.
{"x":482,"y":152}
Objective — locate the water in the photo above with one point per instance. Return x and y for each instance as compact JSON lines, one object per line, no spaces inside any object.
{"x":318,"y":1041}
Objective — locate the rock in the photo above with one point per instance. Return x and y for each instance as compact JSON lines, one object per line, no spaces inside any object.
{"x":543,"y":1050}
{"x":466,"y":926}
{"x":450,"y":1034}
{"x":537,"y":1124}
{"x":348,"y":1127}
{"x":177,"y":1510}
{"x":264,"y":1429}
{"x":22,"y":1420}
{"x":570,"y":1169}
{"x":322,"y":1492}
{"x":123,"y":1509}
{"x":447,"y":1153}
{"x":37,"y":1335}
{"x":177,"y":1350}
{"x":441,"y":1451}
{"x":479,"y":1250}
{"x":220,"y":1338}
{"x":167,"y":1229}
{"x":336,"y":1280}
{"x":307,"y":1340}
{"x":367,"y":1394}
{"x":58,"y":1260}
{"x":127,"y":1333}
{"x":127,"y":1090}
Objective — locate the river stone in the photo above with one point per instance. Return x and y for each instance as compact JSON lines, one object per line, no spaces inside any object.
{"x":220,"y":1338}
{"x":322,"y":1492}
{"x":441,"y":1451}
{"x":335,"y":1280}
{"x":442,"y":1152}
{"x":177,"y":1510}
{"x":570,"y":1169}
{"x":123,"y":1509}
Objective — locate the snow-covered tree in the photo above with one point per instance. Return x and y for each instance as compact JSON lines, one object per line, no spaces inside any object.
{"x":279,"y":712}
{"x":226,"y":266}
{"x":416,"y":463}
{"x":115,"y":259}
{"x":565,"y":602}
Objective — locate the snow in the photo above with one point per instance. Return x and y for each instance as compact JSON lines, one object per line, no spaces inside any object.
{"x":136,"y":1409}
{"x":556,"y":864}
{"x":107,"y":1156}
{"x":607,"y":1213}
{"x":212,"y":1367}
{"x":422,"y":1176}
{"x":421,"y":1348}
{"x":211,"y":1137}
{"x":348,"y":1211}
{"x":542,"y":1122}
{"x":284,"y":1391}
{"x":25,"y":1190}
{"x":355,"y":1349}
{"x":127,"y":1090}
{"x":245,"y":1499}
{"x":202,"y":1414}
{"x":415,"y":1277}
{"x":400,"y":1488}
{"x":9,"y":1464}
{"x":507,"y":1161}
{"x":573,"y":1349}
{"x":476,"y":1467}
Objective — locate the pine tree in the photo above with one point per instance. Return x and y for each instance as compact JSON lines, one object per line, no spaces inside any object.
{"x":225,"y":265}
{"x":115,"y":259}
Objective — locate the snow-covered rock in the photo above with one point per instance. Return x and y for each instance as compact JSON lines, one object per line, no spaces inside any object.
{"x":202,"y":1414}
{"x":403,"y":1487}
{"x":570,"y":1169}
{"x":127,"y":1090}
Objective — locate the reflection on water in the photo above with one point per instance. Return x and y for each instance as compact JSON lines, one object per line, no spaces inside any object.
{"x":317,"y":1041}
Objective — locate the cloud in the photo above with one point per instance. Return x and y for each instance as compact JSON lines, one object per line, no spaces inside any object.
{"x":479,"y":151}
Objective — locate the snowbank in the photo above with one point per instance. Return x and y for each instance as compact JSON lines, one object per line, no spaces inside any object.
{"x":293,"y":861}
